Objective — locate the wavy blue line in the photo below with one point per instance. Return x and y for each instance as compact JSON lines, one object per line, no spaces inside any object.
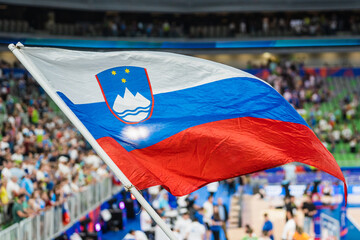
{"x":134,"y":113}
{"x":124,"y":112}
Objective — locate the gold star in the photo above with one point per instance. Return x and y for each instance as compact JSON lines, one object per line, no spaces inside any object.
{"x":113,"y":73}
{"x":127,"y":70}
{"x":123,"y":80}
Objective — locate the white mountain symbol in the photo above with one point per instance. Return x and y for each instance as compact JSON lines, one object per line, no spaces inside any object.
{"x":132,"y":108}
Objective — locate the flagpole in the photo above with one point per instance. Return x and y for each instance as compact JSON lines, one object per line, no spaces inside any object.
{"x":40,"y":78}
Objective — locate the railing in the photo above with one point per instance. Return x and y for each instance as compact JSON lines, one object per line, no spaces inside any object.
{"x":12,"y":232}
{"x":48,"y":224}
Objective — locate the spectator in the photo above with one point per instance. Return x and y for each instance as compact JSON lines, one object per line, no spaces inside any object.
{"x":18,"y":211}
{"x":249,"y":233}
{"x":191,"y":206}
{"x":102,"y":172}
{"x":27,"y":184}
{"x":196,"y":231}
{"x":135,"y":235}
{"x":146,"y":224}
{"x":64,"y":169}
{"x":353,"y":145}
{"x":41,"y":174}
{"x":290,"y":206}
{"x":300,"y":234}
{"x":34,"y":204}
{"x":268,"y":227}
{"x":216,"y":223}
{"x":66,"y":189}
{"x":182,"y":224}
{"x":224,"y":215}
{"x":207,"y":215}
{"x":309,"y":210}
{"x":92,"y":160}
{"x":4,"y":144}
{"x":13,"y":189}
{"x":6,"y":173}
{"x":4,"y":198}
{"x":74,"y":185}
{"x":17,"y":157}
{"x":164,"y":201}
{"x":346,"y":133}
{"x":290,"y":227}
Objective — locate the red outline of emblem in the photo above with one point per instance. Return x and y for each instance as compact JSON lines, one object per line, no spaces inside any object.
{"x":152,"y":104}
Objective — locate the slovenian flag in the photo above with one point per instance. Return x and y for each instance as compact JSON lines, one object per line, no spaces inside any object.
{"x":179,"y":121}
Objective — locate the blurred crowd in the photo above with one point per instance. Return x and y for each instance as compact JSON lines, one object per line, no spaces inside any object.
{"x":43,"y":159}
{"x":112,"y":24}
{"x":338,"y":123}
{"x":187,"y":218}
{"x":305,"y":25}
{"x":192,"y":218}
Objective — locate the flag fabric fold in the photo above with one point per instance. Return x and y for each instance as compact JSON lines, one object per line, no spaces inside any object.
{"x":178,"y":121}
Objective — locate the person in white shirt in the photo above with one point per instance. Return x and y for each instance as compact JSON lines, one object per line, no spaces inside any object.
{"x":181,"y":202}
{"x":41,"y":173}
{"x":63,"y":167}
{"x":17,"y":156}
{"x":93,"y":160}
{"x":6,"y":173}
{"x":182,"y":224}
{"x":346,"y":133}
{"x":135,"y":235}
{"x":208,"y":213}
{"x":12,"y":188}
{"x":290,"y":227}
{"x":195,"y":231}
{"x":4,"y":144}
{"x":73,"y":152}
{"x":102,"y":172}
{"x":66,"y":187}
{"x":27,"y":164}
{"x":74,"y":184}
{"x":130,"y":235}
{"x":145,"y":223}
{"x":139,"y":235}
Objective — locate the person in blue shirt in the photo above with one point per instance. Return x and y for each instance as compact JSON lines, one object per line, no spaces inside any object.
{"x":164,"y":202}
{"x":268,"y":227}
{"x":27,"y":184}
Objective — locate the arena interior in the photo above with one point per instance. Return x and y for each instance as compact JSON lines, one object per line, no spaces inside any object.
{"x":54,"y":186}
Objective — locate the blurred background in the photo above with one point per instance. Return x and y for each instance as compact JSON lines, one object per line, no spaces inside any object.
{"x":53,"y":186}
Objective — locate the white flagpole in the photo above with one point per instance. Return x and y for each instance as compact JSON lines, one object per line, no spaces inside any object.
{"x":40,"y":78}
